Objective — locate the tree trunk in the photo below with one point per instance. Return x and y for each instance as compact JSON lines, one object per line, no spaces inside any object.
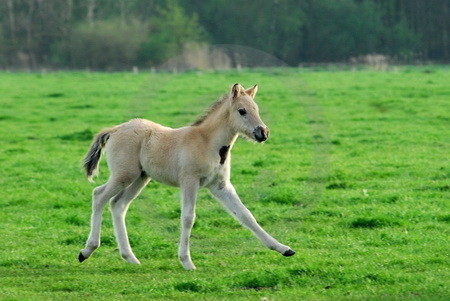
{"x":12,"y":22}
{"x":90,"y":12}
{"x":123,"y":12}
{"x":29,"y":25}
{"x":445,"y":28}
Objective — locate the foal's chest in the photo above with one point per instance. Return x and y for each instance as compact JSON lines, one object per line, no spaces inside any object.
{"x":219,"y":169}
{"x":223,"y":153}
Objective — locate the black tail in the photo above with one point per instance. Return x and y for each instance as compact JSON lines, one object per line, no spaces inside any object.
{"x":93,"y":156}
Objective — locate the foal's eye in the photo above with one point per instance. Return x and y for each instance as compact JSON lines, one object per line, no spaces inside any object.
{"x":242,"y":112}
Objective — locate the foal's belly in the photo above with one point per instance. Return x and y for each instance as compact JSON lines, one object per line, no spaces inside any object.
{"x":164,"y":174}
{"x":163,"y":178}
{"x":171,"y":176}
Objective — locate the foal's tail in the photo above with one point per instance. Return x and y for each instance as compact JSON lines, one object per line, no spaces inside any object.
{"x":92,"y":158}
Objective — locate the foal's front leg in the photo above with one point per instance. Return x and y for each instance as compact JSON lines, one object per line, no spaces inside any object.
{"x":188,"y":199}
{"x":227,"y":196}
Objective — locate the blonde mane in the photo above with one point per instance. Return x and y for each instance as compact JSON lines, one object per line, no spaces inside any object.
{"x":212,"y":108}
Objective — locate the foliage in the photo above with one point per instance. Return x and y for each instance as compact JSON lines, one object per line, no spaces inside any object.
{"x":339,"y":29}
{"x":172,"y":31}
{"x":271,"y":26}
{"x":399,"y":40}
{"x":40,"y":33}
{"x":107,"y":44}
{"x":377,"y":140}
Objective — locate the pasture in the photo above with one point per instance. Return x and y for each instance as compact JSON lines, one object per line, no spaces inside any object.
{"x":354,"y":177}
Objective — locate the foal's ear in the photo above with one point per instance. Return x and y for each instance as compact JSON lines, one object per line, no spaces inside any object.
{"x":252,"y":91}
{"x":237,"y":90}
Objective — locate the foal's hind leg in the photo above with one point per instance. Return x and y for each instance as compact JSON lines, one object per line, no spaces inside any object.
{"x":100,"y":196}
{"x":119,"y":208}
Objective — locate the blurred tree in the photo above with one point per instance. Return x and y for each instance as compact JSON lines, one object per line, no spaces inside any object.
{"x":38,"y":33}
{"x":33,"y":26}
{"x":171,"y":30}
{"x":271,"y":26}
{"x":3,"y":56}
{"x":337,"y":30}
{"x":423,"y":23}
{"x":105,"y":45}
{"x":90,"y":12}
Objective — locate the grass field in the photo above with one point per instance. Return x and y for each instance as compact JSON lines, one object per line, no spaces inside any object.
{"x":355,"y":178}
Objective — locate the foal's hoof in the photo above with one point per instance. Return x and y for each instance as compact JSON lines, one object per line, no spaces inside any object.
{"x":289,"y":252}
{"x":188,"y":266}
{"x":130,"y":259}
{"x":81,"y":258}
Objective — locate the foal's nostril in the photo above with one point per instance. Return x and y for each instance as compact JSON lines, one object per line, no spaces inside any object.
{"x":266,"y":132}
{"x":261,"y":133}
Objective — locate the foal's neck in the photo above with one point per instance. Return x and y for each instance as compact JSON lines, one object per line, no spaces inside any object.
{"x":217,"y":130}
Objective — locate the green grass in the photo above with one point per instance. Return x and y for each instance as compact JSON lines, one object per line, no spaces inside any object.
{"x":355,"y":178}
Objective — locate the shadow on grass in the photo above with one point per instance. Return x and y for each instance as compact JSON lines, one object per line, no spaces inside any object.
{"x":85,"y":135}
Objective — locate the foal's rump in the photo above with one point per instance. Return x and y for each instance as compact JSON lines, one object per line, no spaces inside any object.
{"x":142,"y":146}
{"x":123,"y":152}
{"x":122,"y":145}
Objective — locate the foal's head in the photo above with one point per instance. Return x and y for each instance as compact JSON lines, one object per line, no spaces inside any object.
{"x":244,"y":114}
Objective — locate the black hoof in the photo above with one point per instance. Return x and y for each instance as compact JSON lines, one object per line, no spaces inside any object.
{"x":289,"y":252}
{"x":81,"y":258}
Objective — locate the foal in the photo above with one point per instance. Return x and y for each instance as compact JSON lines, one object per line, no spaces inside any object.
{"x":190,"y":157}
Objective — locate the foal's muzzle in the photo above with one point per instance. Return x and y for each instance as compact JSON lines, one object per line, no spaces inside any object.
{"x":261,"y":133}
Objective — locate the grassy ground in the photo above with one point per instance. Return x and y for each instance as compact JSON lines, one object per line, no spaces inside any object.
{"x":355,"y":178}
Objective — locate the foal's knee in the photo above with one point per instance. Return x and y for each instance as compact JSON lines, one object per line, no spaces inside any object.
{"x":98,"y":190}
{"x":188,"y":220}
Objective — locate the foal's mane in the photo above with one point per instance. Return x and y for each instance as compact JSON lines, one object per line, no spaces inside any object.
{"x":212,"y":108}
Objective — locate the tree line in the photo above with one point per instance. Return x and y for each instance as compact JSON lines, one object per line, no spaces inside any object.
{"x":118,"y":34}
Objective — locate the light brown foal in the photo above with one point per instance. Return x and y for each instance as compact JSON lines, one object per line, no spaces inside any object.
{"x":190,"y":157}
